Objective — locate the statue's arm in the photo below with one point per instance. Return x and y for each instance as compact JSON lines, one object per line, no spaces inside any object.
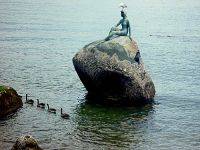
{"x":129,"y":29}
{"x":118,"y":23}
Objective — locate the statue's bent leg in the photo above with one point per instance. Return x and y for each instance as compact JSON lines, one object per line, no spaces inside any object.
{"x":121,"y":33}
{"x":110,"y":35}
{"x":112,"y":32}
{"x":113,"y":29}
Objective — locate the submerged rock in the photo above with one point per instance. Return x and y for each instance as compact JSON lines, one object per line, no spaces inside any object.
{"x":10,"y":101}
{"x":26,"y":143}
{"x":113,"y":72}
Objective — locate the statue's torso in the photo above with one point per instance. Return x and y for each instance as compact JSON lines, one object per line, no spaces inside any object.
{"x":124,"y":24}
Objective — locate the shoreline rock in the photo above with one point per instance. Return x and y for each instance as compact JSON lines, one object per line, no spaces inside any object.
{"x":111,"y":73}
{"x":10,"y":101}
{"x":26,"y":142}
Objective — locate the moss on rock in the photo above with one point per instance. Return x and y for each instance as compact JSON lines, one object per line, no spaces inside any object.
{"x":2,"y":88}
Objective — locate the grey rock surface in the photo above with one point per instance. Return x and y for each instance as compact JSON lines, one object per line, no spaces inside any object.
{"x":113,"y":73}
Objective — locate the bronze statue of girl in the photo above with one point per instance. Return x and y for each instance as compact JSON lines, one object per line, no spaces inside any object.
{"x":120,"y":32}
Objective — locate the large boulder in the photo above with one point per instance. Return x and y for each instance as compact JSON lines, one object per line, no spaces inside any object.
{"x":26,"y":142}
{"x":10,"y":101}
{"x":113,"y":72}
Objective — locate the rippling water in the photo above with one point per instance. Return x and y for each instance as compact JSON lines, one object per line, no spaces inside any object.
{"x":37,"y":42}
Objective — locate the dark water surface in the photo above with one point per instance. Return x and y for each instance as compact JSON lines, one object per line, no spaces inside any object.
{"x":37,"y":42}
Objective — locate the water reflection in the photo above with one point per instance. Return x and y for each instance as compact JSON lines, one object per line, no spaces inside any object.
{"x":112,"y":126}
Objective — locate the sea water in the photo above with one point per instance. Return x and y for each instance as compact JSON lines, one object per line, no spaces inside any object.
{"x":38,"y":40}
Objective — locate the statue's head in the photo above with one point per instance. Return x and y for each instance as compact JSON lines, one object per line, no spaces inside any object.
{"x":123,"y":14}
